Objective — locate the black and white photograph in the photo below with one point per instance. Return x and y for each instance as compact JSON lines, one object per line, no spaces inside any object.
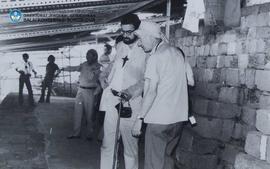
{"x":134,"y":84}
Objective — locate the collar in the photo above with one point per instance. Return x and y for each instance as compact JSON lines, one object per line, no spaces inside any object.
{"x":156,"y":47}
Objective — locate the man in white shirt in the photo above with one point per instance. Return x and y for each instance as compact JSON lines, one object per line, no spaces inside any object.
{"x":126,"y":76}
{"x":25,"y":69}
{"x":165,"y":100}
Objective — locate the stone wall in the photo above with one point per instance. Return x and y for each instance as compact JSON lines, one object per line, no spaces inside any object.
{"x":232,"y":88}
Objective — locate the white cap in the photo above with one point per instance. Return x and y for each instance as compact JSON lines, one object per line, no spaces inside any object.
{"x":147,"y":28}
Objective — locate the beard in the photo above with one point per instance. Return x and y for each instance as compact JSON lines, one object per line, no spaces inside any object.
{"x":129,"y":41}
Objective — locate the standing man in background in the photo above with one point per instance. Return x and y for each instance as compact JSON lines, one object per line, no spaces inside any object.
{"x":51,"y":68}
{"x":165,"y":101}
{"x":89,"y":88}
{"x":126,"y":76}
{"x":25,"y":68}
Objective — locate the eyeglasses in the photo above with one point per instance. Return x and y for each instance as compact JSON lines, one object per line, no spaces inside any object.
{"x":129,"y":32}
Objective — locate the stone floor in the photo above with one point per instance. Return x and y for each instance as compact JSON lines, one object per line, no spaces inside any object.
{"x":35,"y":138}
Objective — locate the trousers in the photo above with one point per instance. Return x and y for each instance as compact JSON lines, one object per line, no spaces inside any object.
{"x":25,"y":79}
{"x":84,"y":104}
{"x":47,"y":83}
{"x":130,"y":143}
{"x":160,"y":143}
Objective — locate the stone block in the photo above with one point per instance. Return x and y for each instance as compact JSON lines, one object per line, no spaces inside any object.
{"x":204,"y":146}
{"x":229,"y":95}
{"x":201,"y":50}
{"x":250,"y":78}
{"x":192,"y":61}
{"x":231,"y":61}
{"x":244,"y":24}
{"x":243,"y":61}
{"x":240,"y":47}
{"x":262,"y":80}
{"x":245,"y":161}
{"x":230,"y":152}
{"x":214,"y":49}
{"x":200,"y":106}
{"x":263,"y":32}
{"x":232,"y":77}
{"x":237,"y":131}
{"x":251,"y":46}
{"x":220,"y":61}
{"x":202,"y":61}
{"x":258,"y":145}
{"x":242,"y":76}
{"x":207,"y":90}
{"x":264,"y":101}
{"x":191,"y":51}
{"x":251,"y":20}
{"x":263,"y":121}
{"x":232,"y":48}
{"x":211,"y":62}
{"x":257,"y":61}
{"x":206,"y":50}
{"x":263,"y":19}
{"x":229,"y":36}
{"x":220,"y":129}
{"x":185,"y":142}
{"x":190,"y":160}
{"x":246,"y":129}
{"x":260,"y":46}
{"x":223,"y":110}
{"x":222,"y":48}
{"x":249,"y":115}
{"x":252,"y":33}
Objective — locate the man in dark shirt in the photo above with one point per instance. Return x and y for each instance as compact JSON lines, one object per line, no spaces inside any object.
{"x":51,"y":68}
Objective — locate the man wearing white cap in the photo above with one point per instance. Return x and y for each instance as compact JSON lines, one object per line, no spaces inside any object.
{"x":165,"y":100}
{"x":127,"y":75}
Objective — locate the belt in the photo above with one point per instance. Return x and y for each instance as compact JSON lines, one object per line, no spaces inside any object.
{"x":83,"y":87}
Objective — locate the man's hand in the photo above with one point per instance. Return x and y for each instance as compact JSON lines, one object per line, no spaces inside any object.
{"x":97,"y":91}
{"x":126,"y":95}
{"x":136,"y":129}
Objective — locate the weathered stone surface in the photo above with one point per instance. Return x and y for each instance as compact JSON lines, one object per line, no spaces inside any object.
{"x":263,"y":121}
{"x":232,"y":77}
{"x":250,"y":78}
{"x":243,"y":61}
{"x":245,"y":161}
{"x":214,"y":49}
{"x":200,"y":106}
{"x":262,"y":80}
{"x":211,"y":62}
{"x":263,"y":32}
{"x":228,"y":95}
{"x":220,"y":129}
{"x":206,"y":50}
{"x":251,"y":46}
{"x":190,"y":160}
{"x":186,"y":141}
{"x":249,"y":115}
{"x":223,"y":110}
{"x":202,"y":61}
{"x":260,"y":46}
{"x":230,"y":152}
{"x":258,"y":145}
{"x":208,"y":90}
{"x":257,"y":61}
{"x":222,"y":48}
{"x":264,"y":101}
{"x":232,"y":48}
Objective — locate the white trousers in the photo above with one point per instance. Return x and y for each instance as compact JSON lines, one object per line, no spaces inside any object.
{"x":130,"y":142}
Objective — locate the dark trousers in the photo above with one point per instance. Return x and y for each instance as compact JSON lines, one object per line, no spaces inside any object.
{"x":160,"y":144}
{"x":25,"y":79}
{"x":47,"y":83}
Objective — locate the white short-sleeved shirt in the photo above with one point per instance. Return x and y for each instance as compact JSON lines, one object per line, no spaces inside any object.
{"x":166,"y":66}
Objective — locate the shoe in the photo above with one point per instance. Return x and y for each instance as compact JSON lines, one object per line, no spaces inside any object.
{"x":73,"y":137}
{"x":41,"y":101}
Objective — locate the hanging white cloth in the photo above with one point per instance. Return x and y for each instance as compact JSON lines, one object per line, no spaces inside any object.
{"x":195,"y":11}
